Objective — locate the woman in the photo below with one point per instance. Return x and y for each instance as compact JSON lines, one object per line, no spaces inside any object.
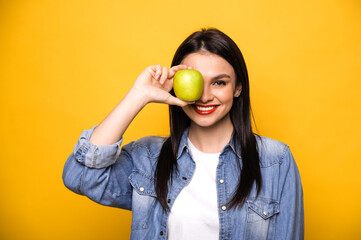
{"x":213,"y":178}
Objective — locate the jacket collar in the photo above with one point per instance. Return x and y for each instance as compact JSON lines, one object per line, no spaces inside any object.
{"x":183,"y":145}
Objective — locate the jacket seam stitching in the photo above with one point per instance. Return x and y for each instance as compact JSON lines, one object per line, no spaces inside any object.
{"x":284,"y":153}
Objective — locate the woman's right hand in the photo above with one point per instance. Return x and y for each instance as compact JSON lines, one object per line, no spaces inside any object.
{"x":155,"y":83}
{"x":152,"y":85}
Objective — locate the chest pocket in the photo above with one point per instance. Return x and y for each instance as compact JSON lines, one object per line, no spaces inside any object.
{"x":143,"y":200}
{"x":261,"y":217}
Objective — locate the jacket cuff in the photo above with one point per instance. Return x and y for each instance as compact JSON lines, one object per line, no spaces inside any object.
{"x":94,"y":156}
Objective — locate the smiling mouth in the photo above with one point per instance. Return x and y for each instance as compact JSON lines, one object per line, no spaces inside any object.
{"x":204,"y":110}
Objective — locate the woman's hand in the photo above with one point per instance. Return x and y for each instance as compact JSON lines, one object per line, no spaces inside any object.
{"x":155,"y":83}
{"x":152,"y":85}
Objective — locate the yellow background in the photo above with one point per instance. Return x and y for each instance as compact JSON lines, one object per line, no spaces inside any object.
{"x":65,"y":64}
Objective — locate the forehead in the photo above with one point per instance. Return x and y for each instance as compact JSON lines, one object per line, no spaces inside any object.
{"x":209,"y":64}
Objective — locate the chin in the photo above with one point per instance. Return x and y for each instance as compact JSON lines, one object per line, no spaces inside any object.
{"x":211,"y":122}
{"x":203,"y":124}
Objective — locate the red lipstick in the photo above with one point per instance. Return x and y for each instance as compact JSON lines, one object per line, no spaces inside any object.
{"x":204,"y":109}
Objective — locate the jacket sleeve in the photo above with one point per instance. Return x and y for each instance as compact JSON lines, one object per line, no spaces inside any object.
{"x":100,"y":172}
{"x":290,"y":221}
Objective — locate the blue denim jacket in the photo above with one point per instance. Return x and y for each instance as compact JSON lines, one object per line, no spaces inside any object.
{"x":123,"y":178}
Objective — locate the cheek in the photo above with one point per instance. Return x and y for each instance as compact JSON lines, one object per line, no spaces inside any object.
{"x":187,"y":110}
{"x":226,"y":96}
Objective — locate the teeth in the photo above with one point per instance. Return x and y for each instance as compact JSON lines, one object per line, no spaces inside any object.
{"x":205,"y":108}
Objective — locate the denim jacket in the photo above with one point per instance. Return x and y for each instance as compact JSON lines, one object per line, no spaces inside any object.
{"x":124,"y":178}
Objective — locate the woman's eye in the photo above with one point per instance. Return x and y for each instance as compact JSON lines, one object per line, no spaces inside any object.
{"x":219,"y":83}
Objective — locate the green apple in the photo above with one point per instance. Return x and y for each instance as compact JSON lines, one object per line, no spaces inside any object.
{"x":188,"y":84}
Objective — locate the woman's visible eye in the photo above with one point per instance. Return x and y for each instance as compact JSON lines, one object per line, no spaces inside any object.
{"x":220,"y":83}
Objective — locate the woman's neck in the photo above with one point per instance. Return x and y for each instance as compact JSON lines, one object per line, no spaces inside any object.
{"x":211,"y":139}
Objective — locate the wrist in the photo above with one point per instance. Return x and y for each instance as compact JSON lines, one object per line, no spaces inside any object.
{"x":137,"y":98}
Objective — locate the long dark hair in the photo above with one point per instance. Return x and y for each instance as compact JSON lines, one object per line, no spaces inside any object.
{"x":213,"y":41}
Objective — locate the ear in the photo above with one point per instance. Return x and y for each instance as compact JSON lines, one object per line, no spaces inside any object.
{"x":238,"y":91}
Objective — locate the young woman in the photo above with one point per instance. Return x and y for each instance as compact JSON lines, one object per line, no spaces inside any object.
{"x":213,"y":178}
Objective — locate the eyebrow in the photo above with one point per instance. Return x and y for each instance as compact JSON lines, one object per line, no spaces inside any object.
{"x":220,"y":76}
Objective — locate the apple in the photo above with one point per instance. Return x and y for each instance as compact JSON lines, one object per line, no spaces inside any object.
{"x":188,"y":84}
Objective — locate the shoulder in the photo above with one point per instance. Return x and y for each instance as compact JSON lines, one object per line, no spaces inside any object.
{"x":149,"y":145}
{"x":271,"y":151}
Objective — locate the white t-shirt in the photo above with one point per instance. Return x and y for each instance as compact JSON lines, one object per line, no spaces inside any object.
{"x":194,"y":214}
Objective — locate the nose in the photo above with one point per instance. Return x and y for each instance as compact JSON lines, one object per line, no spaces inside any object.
{"x":207,"y":95}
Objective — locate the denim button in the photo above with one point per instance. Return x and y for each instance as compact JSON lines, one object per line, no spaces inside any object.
{"x":169,"y":200}
{"x":264,"y":213}
{"x":221,"y":181}
{"x":141,"y":189}
{"x":161,"y":233}
{"x":184,"y":178}
{"x":224,"y":208}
